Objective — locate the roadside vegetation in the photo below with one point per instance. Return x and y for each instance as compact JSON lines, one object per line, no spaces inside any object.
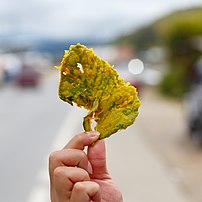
{"x":180,"y":35}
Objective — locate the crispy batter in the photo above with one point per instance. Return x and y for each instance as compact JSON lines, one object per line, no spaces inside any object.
{"x":92,"y":83}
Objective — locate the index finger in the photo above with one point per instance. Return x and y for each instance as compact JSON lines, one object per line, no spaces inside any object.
{"x":83,"y":139}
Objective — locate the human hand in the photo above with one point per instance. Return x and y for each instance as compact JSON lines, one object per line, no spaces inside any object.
{"x":79,"y":177}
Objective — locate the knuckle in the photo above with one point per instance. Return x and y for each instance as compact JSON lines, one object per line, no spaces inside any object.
{"x":82,"y":174}
{"x":83,"y":155}
{"x":53,"y":156}
{"x":59,"y":172}
{"x":79,"y":137}
{"x":85,"y":175}
{"x":96,"y":186}
{"x":79,"y":187}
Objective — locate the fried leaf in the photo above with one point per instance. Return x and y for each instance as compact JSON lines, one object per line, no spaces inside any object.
{"x":91,"y":82}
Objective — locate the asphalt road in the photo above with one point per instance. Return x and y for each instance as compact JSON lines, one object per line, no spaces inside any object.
{"x":29,"y":119}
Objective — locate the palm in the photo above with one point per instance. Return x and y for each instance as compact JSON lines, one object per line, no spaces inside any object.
{"x":110,"y":192}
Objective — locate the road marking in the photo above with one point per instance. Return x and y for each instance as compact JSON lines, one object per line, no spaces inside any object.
{"x":71,"y":125}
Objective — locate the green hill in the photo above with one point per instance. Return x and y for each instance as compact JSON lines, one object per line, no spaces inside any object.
{"x":188,"y":21}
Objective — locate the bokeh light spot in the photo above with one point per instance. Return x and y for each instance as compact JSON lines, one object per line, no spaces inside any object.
{"x":135,"y":66}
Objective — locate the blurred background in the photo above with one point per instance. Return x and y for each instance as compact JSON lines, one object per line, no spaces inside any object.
{"x":155,"y":45}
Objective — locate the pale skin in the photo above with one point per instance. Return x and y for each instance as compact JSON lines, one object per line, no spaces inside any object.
{"x":76,"y":176}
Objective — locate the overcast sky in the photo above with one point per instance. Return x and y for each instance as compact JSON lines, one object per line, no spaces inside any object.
{"x":82,"y":18}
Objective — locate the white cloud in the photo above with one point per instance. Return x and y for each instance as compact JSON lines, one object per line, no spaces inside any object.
{"x":77,"y":18}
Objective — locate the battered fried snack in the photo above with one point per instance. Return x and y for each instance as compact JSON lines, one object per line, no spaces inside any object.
{"x":92,"y":83}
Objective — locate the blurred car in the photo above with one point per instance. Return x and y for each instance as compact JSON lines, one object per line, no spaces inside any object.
{"x":28,"y":77}
{"x":11,"y":65}
{"x":193,"y":107}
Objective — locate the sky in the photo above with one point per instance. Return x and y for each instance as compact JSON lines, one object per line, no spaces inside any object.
{"x":103,"y":19}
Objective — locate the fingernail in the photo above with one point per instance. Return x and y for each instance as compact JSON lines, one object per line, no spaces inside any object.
{"x":89,"y":168}
{"x":93,"y":134}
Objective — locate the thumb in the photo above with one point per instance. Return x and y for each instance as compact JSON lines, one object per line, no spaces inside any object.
{"x":97,"y":157}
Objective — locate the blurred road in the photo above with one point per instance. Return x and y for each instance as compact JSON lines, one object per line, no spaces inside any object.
{"x":29,"y":119}
{"x":164,"y":128}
